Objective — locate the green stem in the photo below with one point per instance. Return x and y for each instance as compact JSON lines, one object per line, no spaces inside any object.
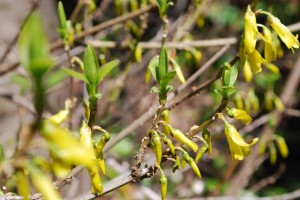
{"x":39,"y":98}
{"x":211,"y":119}
{"x":71,"y":80}
{"x":93,"y":110}
{"x":165,"y":29}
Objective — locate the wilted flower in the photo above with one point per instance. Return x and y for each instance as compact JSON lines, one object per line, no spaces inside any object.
{"x":250,"y":30}
{"x":238,"y":147}
{"x":283,"y":32}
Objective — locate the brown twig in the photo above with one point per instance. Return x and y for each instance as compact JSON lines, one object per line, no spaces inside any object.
{"x":170,"y":45}
{"x":269,"y":180}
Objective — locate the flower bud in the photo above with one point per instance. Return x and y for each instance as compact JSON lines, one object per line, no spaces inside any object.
{"x":157,"y":147}
{"x":176,"y":133}
{"x":192,"y":163}
{"x":163,"y":186}
{"x":200,"y":153}
{"x":281,"y":144}
{"x":169,"y":143}
{"x":165,"y":117}
{"x":206,"y":137}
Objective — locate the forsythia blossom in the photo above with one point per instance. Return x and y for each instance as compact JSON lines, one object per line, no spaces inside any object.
{"x":283,"y":32}
{"x":238,"y":147}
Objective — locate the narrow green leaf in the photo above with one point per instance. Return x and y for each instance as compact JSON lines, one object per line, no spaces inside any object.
{"x":105,"y":69}
{"x":219,"y":92}
{"x":233,"y":75}
{"x":33,"y":47}
{"x":152,"y":66}
{"x":91,"y":65}
{"x":178,"y":70}
{"x":166,"y":79}
{"x":62,"y":20}
{"x":76,"y":75}
{"x":169,"y":88}
{"x":163,"y":62}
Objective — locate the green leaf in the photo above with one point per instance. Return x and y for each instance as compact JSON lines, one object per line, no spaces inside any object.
{"x":55,"y":78}
{"x":166,"y":79}
{"x":219,"y":92}
{"x":76,"y":75}
{"x":105,"y":69}
{"x":154,"y":89}
{"x":178,"y":70}
{"x":227,"y":91}
{"x":22,"y":81}
{"x":169,"y":88}
{"x":161,"y":4}
{"x":233,"y":75}
{"x":62,"y":20}
{"x":91,"y":65}
{"x":152,"y":66}
{"x":1,"y":154}
{"x":163,"y":63}
{"x":33,"y":47}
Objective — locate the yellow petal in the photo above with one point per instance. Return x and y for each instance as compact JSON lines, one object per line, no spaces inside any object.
{"x":255,"y":61}
{"x":239,"y":114}
{"x":283,"y":32}
{"x":247,"y":71}
{"x":250,"y":30}
{"x":273,"y":68}
{"x":235,"y":136}
{"x":42,"y":183}
{"x":235,"y":149}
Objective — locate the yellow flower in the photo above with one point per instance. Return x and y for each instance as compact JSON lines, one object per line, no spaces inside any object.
{"x":250,"y":30}
{"x":283,"y":32}
{"x":255,"y":61}
{"x":269,"y":48}
{"x":247,"y":71}
{"x":238,"y":147}
{"x":239,"y":114}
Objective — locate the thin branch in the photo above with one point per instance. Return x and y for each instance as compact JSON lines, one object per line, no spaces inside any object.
{"x":172,"y":45}
{"x":151,"y":111}
{"x":269,"y":180}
